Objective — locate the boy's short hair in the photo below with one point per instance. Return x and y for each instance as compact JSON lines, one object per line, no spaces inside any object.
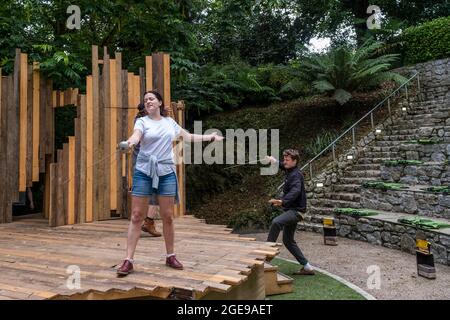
{"x":294,"y":154}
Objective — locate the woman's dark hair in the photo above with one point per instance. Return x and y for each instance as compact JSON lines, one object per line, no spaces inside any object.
{"x":158,"y":96}
{"x":141,"y":112}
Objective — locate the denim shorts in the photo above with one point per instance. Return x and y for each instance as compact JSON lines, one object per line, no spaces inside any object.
{"x":142,"y":185}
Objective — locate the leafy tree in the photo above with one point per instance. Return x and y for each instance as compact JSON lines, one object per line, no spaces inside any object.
{"x":344,"y":70}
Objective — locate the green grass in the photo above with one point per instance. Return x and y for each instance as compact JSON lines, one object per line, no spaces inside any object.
{"x":355,"y":212}
{"x":384,"y":185}
{"x":317,"y":287}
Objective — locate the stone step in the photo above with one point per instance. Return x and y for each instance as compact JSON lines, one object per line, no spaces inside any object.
{"x":379,"y":154}
{"x":354,"y":180}
{"x":420,"y":116}
{"x":366,"y":160}
{"x":406,"y":125}
{"x":351,"y":188}
{"x":365,"y":166}
{"x":383,"y":149}
{"x":345,"y":196}
{"x":334,"y":203}
{"x":398,"y":137}
{"x":362,"y":173}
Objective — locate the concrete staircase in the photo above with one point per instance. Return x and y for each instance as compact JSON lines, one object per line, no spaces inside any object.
{"x":426,"y":117}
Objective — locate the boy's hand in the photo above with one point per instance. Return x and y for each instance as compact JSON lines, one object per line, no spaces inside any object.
{"x":270,"y":159}
{"x":276,"y":202}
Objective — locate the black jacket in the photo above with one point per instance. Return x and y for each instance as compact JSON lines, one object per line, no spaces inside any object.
{"x":294,"y":194}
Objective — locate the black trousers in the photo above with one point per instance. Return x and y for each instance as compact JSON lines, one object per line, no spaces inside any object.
{"x":287,"y":222}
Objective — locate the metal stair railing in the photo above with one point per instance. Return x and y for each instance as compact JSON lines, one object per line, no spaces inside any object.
{"x":385,"y":102}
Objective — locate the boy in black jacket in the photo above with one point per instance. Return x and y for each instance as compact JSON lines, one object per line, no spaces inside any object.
{"x":293,"y":203}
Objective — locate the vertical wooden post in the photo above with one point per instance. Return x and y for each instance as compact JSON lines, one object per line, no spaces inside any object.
{"x":71,"y":182}
{"x":3,"y":129}
{"x":52,"y":193}
{"x":96,"y":133}
{"x":113,"y":135}
{"x":65,"y":184}
{"x":42,"y":109}
{"x":82,"y":193}
{"x":108,"y":156}
{"x":89,"y":150}
{"x":119,"y":136}
{"x":30,"y":130}
{"x":23,"y":123}
{"x":148,"y":73}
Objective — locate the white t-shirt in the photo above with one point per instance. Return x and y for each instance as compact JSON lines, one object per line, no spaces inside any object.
{"x":157,"y":138}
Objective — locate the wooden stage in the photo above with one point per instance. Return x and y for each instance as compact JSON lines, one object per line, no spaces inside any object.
{"x":35,"y":260}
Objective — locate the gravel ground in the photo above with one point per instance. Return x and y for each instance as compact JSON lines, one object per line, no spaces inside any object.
{"x":351,"y":260}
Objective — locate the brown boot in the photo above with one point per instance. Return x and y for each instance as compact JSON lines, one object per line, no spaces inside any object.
{"x":149,"y":226}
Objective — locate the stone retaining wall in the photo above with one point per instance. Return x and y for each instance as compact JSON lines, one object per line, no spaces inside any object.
{"x":421,"y":203}
{"x":392,"y":235}
{"x":436,"y":174}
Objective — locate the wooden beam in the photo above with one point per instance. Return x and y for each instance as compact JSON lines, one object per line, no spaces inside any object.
{"x":52,"y":209}
{"x":42,"y":111}
{"x":119,"y":135}
{"x":71,"y":182}
{"x":30,"y":130}
{"x":89,"y":150}
{"x":148,"y":73}
{"x":3,"y":141}
{"x":113,"y":134}
{"x":96,"y":133}
{"x":108,"y":156}
{"x":23,"y":123}
{"x":82,"y":193}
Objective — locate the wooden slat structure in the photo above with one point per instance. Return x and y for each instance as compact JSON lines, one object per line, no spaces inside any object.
{"x":35,"y":260}
{"x":91,"y":179}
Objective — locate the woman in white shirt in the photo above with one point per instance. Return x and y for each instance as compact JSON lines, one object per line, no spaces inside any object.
{"x":154,"y":175}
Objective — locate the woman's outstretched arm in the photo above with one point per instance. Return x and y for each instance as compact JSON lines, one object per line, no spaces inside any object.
{"x":190,"y":137}
{"x":135,"y":138}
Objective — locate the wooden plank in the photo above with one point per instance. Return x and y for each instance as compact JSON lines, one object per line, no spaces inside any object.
{"x":108,"y":154}
{"x":52,"y":194}
{"x":47,"y":186}
{"x":148,"y":73}
{"x":89,"y":151}
{"x":82,"y":193}
{"x":181,"y":177}
{"x":59,"y":192}
{"x":113,"y":135}
{"x":119,"y":137}
{"x":65,"y":183}
{"x":130,"y":122}
{"x":42,"y":111}
{"x":3,"y":141}
{"x":77,"y":159}
{"x":49,"y":122}
{"x":158,"y":72}
{"x":61,"y":99}
{"x":30,"y":129}
{"x":125,"y":186}
{"x":95,"y":133}
{"x":71,"y":182}
{"x":142,"y":84}
{"x":13,"y":116}
{"x":23,"y":93}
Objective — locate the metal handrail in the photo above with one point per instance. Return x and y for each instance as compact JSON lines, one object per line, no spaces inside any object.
{"x":352,"y":128}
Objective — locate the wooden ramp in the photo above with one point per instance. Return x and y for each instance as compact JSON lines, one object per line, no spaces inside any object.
{"x":40,"y":262}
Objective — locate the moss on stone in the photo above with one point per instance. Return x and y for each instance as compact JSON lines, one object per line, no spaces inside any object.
{"x":393,"y":163}
{"x":384,"y":185}
{"x":355,"y":212}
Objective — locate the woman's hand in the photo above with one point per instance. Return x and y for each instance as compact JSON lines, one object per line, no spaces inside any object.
{"x":215,"y":137}
{"x":276,"y":202}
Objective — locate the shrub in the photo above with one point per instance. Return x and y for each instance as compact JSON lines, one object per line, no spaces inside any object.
{"x":319,"y":143}
{"x":427,"y":41}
